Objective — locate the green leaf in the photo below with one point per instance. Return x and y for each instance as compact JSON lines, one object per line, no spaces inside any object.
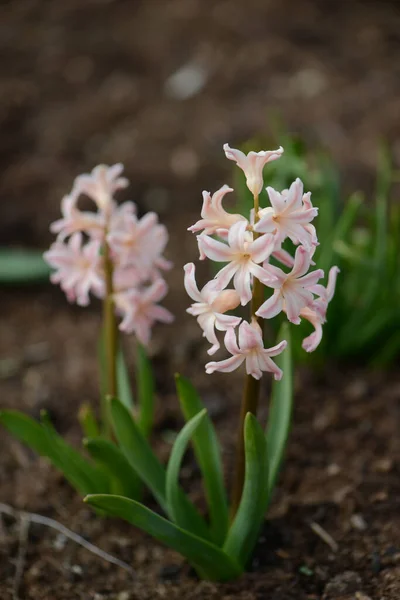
{"x":22,"y":266}
{"x":145,"y":391}
{"x":82,"y":474}
{"x":208,"y":456}
{"x":244,"y":530}
{"x":138,"y":451}
{"x":210,"y":561}
{"x":27,"y":430}
{"x":123,"y":381}
{"x":280,"y":412}
{"x":180,"y":509}
{"x":88,"y":422}
{"x":124,"y":478}
{"x":43,"y":440}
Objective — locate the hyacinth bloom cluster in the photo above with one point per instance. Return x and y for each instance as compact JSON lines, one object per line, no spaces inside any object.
{"x":246,"y":246}
{"x":113,"y":237}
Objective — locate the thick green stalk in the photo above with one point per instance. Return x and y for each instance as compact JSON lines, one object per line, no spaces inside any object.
{"x":251,"y":393}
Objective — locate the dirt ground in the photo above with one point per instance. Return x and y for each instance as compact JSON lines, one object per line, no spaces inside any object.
{"x":101,"y":81}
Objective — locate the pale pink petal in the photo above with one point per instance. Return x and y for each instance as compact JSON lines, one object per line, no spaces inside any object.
{"x":271,"y":307}
{"x":275,"y":350}
{"x":302,"y":261}
{"x":252,"y":365}
{"x":230,"y":342}
{"x":225,"y":366}
{"x":214,"y":249}
{"x":225,"y":300}
{"x":225,"y":322}
{"x":268,"y":365}
{"x":262,"y":248}
{"x":249,"y":336}
{"x":237,"y":236}
{"x":190,"y":283}
{"x":226,"y":273}
{"x":242,"y":283}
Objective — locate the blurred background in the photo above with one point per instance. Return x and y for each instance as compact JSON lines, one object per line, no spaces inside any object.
{"x":160,"y":85}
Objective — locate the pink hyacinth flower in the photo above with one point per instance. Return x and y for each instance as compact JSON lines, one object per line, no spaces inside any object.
{"x":316,"y":313}
{"x":140,"y":242}
{"x":78,"y":268}
{"x":101,"y":184}
{"x":214,"y":218}
{"x":243,"y":255}
{"x":139,"y":309}
{"x":289,"y":216}
{"x":250,"y":349}
{"x":209,"y":307}
{"x":74,"y":220}
{"x":293,"y":291}
{"x":252,"y":165}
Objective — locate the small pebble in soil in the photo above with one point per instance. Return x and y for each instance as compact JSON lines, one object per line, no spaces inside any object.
{"x":170,"y":573}
{"x":348,"y":582}
{"x":357,"y":522}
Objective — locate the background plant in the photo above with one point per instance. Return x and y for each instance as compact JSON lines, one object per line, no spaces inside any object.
{"x":359,"y":233}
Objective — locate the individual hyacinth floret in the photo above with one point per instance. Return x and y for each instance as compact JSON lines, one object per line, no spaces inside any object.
{"x":246,"y":244}
{"x":135,"y":248}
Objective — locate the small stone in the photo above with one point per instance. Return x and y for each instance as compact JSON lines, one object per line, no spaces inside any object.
{"x":383,"y":465}
{"x":170,"y":572}
{"x":186,"y":82}
{"x":348,"y":582}
{"x":333,"y":469}
{"x":124,"y":595}
{"x":361,"y":596}
{"x":357,"y":522}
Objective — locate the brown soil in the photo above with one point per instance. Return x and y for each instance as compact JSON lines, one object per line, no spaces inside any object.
{"x":84,"y":83}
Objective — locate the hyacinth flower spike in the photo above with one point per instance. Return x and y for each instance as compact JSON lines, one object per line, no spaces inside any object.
{"x":210,"y":305}
{"x":293,"y":291}
{"x":243,"y":254}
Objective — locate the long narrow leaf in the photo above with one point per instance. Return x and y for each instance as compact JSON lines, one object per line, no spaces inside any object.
{"x":138,"y":451}
{"x":123,"y":381}
{"x":124,"y":478}
{"x":22,"y":266}
{"x":246,"y":524}
{"x":180,"y":509}
{"x":212,"y":561}
{"x":208,"y":456}
{"x":280,"y":413}
{"x":27,"y":430}
{"x":74,"y":466}
{"x":88,"y":421}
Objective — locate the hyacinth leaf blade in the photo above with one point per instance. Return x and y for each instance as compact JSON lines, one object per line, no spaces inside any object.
{"x":27,"y":430}
{"x":208,"y":456}
{"x":245,"y":527}
{"x":145,"y":390}
{"x":138,"y":451}
{"x":183,"y":513}
{"x":74,"y":466}
{"x":210,"y":561}
{"x":88,"y":421}
{"x":22,"y":266}
{"x":123,"y":477}
{"x":123,"y":381}
{"x":281,"y":408}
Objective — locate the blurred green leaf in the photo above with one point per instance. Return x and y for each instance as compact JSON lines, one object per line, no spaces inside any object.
{"x":22,"y":266}
{"x":280,"y":410}
{"x":145,"y":390}
{"x":211,"y":561}
{"x":124,"y":478}
{"x":208,"y":456}
{"x":180,"y":509}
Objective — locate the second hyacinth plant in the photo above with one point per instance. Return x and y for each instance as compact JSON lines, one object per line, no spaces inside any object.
{"x":263,"y":269}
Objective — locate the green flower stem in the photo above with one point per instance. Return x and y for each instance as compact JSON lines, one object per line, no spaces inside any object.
{"x":251,"y":392}
{"x":110,"y":340}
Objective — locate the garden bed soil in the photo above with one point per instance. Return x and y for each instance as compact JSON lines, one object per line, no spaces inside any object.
{"x":87,"y":83}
